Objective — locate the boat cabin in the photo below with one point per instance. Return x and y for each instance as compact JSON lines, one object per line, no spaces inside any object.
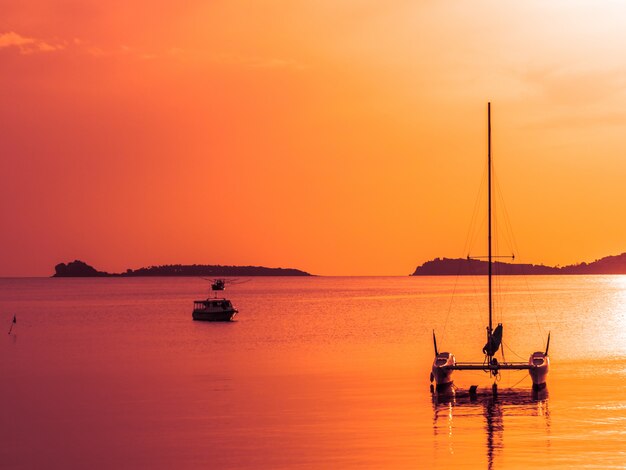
{"x":212,"y":304}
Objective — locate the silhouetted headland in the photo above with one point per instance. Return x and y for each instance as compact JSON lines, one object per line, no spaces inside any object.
{"x":473,"y":267}
{"x":77,"y":268}
{"x":81,"y":269}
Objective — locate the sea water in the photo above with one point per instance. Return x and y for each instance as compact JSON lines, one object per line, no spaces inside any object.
{"x":316,"y":372}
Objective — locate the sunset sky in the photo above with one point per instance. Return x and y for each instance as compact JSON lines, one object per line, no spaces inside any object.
{"x":342,"y":138}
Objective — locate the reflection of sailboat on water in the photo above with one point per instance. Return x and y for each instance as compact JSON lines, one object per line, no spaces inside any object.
{"x":513,"y":403}
{"x":445,"y":363}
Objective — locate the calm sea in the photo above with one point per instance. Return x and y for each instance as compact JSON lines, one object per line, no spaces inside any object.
{"x":317,"y":372}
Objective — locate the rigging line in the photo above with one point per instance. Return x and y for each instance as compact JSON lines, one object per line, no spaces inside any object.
{"x":525,"y":376}
{"x":477,"y":228}
{"x":474,"y":227}
{"x":482,"y":226}
{"x":466,"y":247}
{"x":497,"y":283}
{"x":479,"y":224}
{"x":494,"y":228}
{"x":506,"y":235}
{"x":456,"y":282}
{"x":510,"y":237}
{"x":501,"y":294}
{"x":471,"y":236}
{"x":471,"y":233}
{"x":508,"y":232}
{"x":497,"y":304}
{"x":509,"y":348}
{"x":476,"y":296}
{"x":514,"y":246}
{"x":533,"y":308}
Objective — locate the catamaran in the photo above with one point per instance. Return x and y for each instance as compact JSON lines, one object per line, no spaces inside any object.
{"x":445,"y":363}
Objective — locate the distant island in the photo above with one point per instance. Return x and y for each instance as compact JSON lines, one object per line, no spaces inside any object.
{"x":78,"y":268}
{"x":473,"y":267}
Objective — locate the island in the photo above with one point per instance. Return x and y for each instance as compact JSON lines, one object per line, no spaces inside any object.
{"x":79,"y":268}
{"x":473,"y":267}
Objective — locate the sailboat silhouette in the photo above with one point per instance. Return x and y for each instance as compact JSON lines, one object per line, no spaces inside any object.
{"x":445,"y":363}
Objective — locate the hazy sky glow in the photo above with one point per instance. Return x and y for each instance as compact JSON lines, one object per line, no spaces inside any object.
{"x":339,"y":139}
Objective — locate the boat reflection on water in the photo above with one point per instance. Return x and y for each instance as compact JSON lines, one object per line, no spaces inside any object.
{"x":452,"y":409}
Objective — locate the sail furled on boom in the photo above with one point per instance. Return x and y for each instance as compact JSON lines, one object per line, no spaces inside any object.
{"x":494,"y":341}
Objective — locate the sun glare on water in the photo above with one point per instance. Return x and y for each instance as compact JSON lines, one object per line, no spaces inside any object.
{"x":618,"y":312}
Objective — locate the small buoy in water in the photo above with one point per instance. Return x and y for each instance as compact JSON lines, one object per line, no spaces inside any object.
{"x":472,"y":390}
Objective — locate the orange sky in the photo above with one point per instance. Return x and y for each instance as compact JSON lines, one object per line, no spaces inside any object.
{"x":340,"y":139}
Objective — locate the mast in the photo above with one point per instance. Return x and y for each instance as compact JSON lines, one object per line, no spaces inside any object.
{"x":490,"y":329}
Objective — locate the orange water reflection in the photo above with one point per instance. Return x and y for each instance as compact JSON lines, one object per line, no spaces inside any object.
{"x":493,"y":408}
{"x":316,"y":373}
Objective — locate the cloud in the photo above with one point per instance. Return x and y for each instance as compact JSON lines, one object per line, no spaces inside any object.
{"x":571,"y":87}
{"x":28,"y":45}
{"x":261,"y":62}
{"x":579,"y":120}
{"x":230,"y":60}
{"x":14,"y":39}
{"x":575,"y":97}
{"x":25,"y":44}
{"x":275,"y":63}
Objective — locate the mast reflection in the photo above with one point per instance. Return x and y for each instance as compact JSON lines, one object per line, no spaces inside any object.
{"x":453,"y":408}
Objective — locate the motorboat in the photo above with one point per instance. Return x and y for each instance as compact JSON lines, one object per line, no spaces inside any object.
{"x":213,"y":309}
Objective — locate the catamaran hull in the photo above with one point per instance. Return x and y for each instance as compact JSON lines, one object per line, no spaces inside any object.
{"x":214,"y":316}
{"x":442,"y":371}
{"x":539,"y":364}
